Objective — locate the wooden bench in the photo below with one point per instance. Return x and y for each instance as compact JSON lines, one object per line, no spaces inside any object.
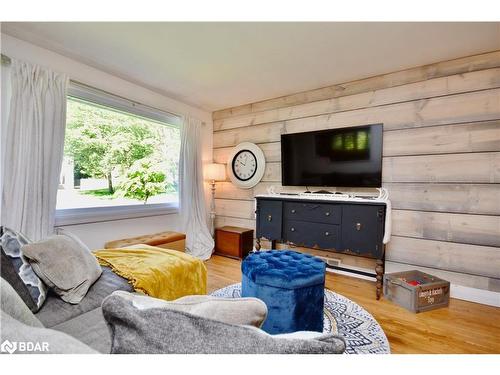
{"x":166,"y":240}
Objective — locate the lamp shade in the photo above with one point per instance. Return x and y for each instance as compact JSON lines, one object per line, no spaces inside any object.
{"x":216,"y":172}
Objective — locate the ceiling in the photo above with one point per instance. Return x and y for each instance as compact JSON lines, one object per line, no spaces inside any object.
{"x":219,"y":65}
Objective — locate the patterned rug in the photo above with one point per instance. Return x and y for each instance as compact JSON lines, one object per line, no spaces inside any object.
{"x":362,"y":333}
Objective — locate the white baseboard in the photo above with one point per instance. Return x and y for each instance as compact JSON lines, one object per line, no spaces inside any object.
{"x":466,"y":293}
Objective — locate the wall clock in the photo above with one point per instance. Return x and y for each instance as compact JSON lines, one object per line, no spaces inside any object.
{"x":246,"y":165}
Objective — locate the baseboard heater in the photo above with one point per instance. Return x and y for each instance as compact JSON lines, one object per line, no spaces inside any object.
{"x":334,"y":263}
{"x":363,"y":273}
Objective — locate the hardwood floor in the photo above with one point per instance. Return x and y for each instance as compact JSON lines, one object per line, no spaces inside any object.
{"x":463,"y":327}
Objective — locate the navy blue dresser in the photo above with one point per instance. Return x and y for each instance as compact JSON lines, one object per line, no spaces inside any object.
{"x":349,"y":227}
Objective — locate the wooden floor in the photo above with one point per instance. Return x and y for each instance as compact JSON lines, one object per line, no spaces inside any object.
{"x":463,"y":327}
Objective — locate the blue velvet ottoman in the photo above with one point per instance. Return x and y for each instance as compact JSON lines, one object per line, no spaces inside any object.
{"x":292,"y":286}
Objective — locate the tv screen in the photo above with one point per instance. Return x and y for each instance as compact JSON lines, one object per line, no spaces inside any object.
{"x":346,"y":157}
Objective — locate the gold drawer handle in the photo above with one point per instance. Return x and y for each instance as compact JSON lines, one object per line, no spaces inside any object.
{"x":293,"y":211}
{"x":269,"y":218}
{"x":292,"y":229}
{"x":327,"y":213}
{"x":327,"y":233}
{"x":358,"y":226}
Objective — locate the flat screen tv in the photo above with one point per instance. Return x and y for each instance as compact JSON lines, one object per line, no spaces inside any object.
{"x":345,"y":157}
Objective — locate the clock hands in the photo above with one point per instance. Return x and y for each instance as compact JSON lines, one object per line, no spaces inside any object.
{"x":245,"y":163}
{"x":240,"y":166}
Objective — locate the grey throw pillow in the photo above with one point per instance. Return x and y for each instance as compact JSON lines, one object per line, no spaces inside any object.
{"x":37,"y":340}
{"x":16,"y":269}
{"x":244,"y":311}
{"x":65,"y":265}
{"x":161,"y":330}
{"x":12,"y":304}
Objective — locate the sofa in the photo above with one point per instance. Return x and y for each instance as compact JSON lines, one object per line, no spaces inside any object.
{"x":138,"y":324}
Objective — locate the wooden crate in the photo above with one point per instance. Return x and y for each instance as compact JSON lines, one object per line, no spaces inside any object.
{"x":233,"y":242}
{"x":431,"y":292}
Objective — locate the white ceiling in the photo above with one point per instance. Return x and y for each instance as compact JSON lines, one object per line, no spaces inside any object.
{"x":220,"y":65}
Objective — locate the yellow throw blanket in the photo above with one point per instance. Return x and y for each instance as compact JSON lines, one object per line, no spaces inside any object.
{"x":157,"y":272}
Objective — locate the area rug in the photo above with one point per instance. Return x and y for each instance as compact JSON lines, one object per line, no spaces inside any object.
{"x":362,"y":333}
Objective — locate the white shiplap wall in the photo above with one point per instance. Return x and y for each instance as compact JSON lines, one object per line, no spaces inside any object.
{"x":441,"y":162}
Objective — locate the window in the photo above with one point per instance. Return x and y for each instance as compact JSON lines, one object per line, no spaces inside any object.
{"x":120,"y":159}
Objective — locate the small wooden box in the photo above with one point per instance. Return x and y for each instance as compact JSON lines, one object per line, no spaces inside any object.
{"x":430,"y":293}
{"x":233,"y":242}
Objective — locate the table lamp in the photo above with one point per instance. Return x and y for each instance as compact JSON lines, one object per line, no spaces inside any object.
{"x":213,"y":173}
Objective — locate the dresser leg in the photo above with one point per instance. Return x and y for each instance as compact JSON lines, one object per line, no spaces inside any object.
{"x":379,"y":269}
{"x":257,"y":244}
{"x":273,"y":245}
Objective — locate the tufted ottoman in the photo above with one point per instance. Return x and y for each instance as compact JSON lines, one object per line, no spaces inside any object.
{"x":292,"y":286}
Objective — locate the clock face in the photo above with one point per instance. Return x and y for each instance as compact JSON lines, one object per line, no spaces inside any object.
{"x":244,"y":165}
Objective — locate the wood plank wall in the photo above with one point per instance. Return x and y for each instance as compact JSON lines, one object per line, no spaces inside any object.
{"x":441,"y":160}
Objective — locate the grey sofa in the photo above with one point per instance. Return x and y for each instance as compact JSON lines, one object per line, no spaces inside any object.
{"x":82,"y":329}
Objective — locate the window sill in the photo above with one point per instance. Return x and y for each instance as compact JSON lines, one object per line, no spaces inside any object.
{"x":72,"y":216}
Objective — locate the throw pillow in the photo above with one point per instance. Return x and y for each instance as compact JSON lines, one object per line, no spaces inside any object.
{"x":12,"y":304}
{"x":244,"y":311}
{"x":162,"y":330}
{"x":43,"y":340}
{"x":64,"y":265}
{"x":17,"y":271}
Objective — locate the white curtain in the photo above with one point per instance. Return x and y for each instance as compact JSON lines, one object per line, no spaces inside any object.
{"x":199,"y":241}
{"x":34,"y":144}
